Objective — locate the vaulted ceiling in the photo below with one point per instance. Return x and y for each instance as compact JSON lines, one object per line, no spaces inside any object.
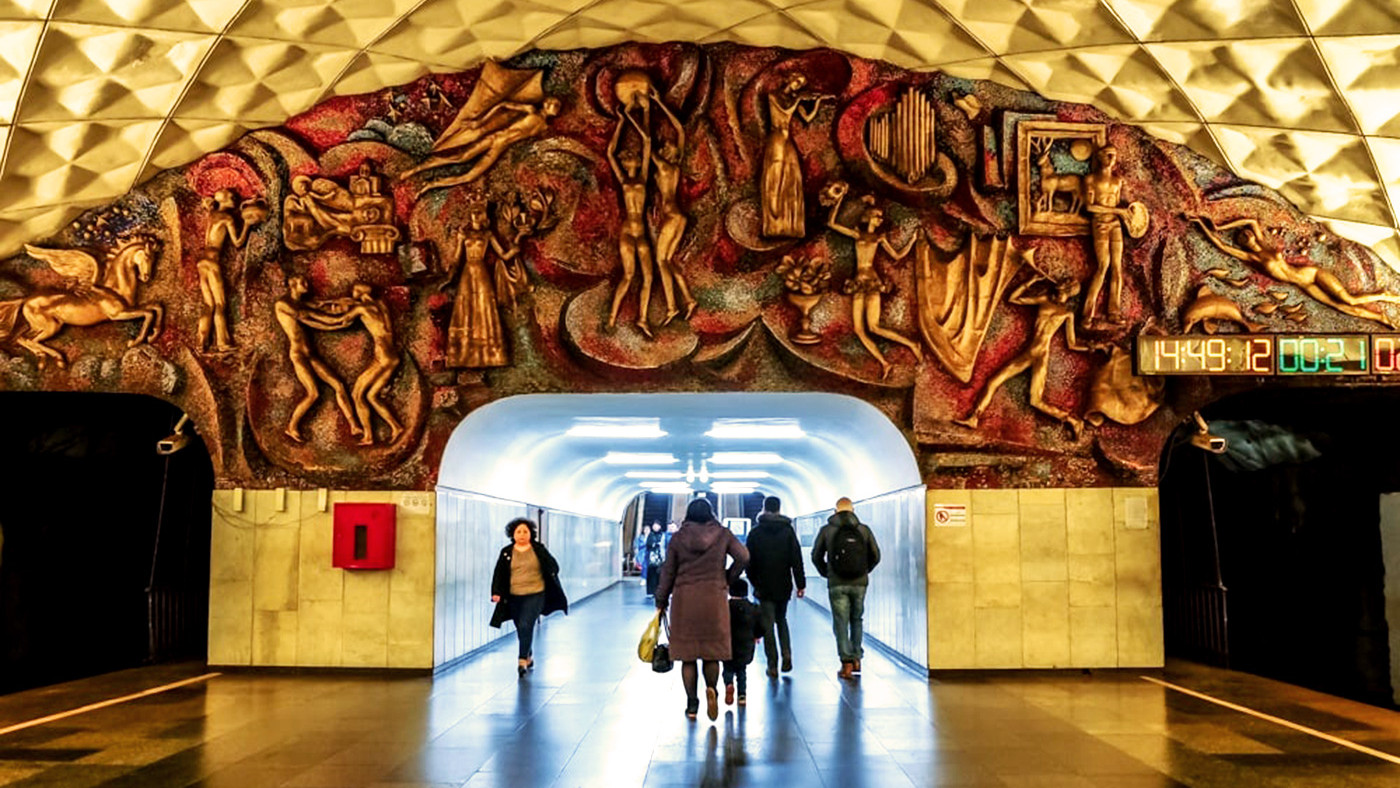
{"x":1301,"y":95}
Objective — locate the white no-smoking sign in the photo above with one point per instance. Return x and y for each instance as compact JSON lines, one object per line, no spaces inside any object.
{"x":947,"y":514}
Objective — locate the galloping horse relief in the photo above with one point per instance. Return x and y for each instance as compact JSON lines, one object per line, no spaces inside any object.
{"x":98,"y":294}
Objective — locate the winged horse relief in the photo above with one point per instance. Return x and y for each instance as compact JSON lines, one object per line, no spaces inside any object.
{"x":97,"y":293}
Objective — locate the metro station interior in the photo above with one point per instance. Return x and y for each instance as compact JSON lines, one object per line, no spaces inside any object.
{"x":1089,"y":307}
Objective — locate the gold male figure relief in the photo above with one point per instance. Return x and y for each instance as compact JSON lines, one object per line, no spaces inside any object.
{"x":222,"y":228}
{"x":373,"y":314}
{"x":1052,"y":312}
{"x":1264,"y":257}
{"x":1102,"y":190}
{"x":291,"y":313}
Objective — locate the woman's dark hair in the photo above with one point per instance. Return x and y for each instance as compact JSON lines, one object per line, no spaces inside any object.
{"x":699,"y":511}
{"x":519,"y":521}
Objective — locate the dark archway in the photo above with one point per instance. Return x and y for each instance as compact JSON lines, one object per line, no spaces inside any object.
{"x":1272,"y":552}
{"x":105,"y":557}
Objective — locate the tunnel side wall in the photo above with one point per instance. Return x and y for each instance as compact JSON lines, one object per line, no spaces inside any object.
{"x":1067,"y":578}
{"x":276,"y":601}
{"x":895,"y":612}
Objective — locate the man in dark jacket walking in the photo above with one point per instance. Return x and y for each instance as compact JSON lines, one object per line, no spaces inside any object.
{"x":775,"y":564}
{"x":850,"y":545}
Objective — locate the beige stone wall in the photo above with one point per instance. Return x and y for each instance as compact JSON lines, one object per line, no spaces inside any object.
{"x":275,"y":600}
{"x":1045,"y":579}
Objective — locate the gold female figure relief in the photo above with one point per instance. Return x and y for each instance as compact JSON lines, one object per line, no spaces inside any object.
{"x":633,"y":246}
{"x":474,"y":336}
{"x":780,"y":188}
{"x":1263,"y":256}
{"x":671,"y":225}
{"x":866,"y":287}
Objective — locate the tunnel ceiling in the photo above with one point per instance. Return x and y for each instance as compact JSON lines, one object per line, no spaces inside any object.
{"x":1302,"y":95}
{"x":553,"y":450}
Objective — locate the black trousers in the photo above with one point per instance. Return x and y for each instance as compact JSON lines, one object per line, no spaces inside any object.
{"x":775,"y":617}
{"x":526,"y":611}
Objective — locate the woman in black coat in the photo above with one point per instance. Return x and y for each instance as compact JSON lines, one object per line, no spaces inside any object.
{"x":525,"y":586}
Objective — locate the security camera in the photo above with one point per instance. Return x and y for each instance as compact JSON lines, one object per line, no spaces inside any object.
{"x":172,"y":444}
{"x":1205,"y":441}
{"x":176,"y":440}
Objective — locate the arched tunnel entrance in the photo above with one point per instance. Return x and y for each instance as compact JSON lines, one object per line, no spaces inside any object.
{"x":1281,"y":556}
{"x":104,"y":562}
{"x":576,"y":462}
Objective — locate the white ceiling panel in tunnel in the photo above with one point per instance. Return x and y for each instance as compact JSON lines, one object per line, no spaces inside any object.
{"x":591,"y":453}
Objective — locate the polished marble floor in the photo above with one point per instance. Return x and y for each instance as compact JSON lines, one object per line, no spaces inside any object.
{"x":592,"y":715}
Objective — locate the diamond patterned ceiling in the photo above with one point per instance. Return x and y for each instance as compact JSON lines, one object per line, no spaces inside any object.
{"x":1300,"y":95}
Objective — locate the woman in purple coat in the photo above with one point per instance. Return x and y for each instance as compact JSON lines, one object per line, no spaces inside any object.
{"x":695,"y":585}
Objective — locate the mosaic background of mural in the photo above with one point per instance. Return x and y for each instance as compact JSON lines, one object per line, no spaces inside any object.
{"x":329,"y":298}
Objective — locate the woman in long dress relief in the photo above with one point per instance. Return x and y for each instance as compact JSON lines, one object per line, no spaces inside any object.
{"x":866,"y":287}
{"x":780,"y":187}
{"x":474,"y":337}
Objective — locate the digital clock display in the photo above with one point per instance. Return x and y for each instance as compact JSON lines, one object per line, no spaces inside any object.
{"x":1385,"y":354}
{"x":1227,"y":354}
{"x":1330,"y":354}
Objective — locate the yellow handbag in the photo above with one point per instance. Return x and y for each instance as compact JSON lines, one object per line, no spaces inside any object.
{"x":647,"y":646}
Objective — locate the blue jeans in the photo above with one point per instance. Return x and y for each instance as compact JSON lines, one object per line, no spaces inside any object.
{"x":847,"y":612}
{"x":526,"y":611}
{"x":735,"y":673}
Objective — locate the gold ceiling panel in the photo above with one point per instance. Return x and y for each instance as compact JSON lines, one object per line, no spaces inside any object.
{"x":1332,"y":174}
{"x":914,"y":35}
{"x":1207,"y":20}
{"x":183,"y":140}
{"x":1012,"y":26}
{"x":1124,"y":81}
{"x":53,"y":163}
{"x":1351,"y":17}
{"x":1367,"y":71}
{"x":18,"y":41}
{"x":256,"y":80}
{"x":191,"y":16}
{"x":343,"y":23}
{"x":98,"y":89}
{"x":461,"y":35}
{"x":84,"y":72}
{"x":25,"y":9}
{"x":1277,"y":82}
{"x":372,"y":71}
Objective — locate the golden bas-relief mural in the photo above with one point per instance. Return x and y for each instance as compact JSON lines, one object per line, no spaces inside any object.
{"x":328,"y":299}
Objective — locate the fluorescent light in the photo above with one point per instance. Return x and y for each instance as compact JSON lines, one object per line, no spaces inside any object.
{"x":745,"y":458}
{"x":734,"y":486}
{"x":667,"y":487}
{"x":740,"y":475}
{"x":756,"y":428}
{"x":616,"y":428}
{"x":654,"y":475}
{"x":638,"y":458}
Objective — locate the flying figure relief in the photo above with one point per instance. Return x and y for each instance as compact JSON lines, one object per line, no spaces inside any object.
{"x":1265,"y":257}
{"x":867,"y":287}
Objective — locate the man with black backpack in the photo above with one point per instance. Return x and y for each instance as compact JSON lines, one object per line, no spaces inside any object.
{"x":852,"y":551}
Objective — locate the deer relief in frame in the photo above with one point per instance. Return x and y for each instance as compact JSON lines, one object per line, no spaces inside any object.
{"x":1052,"y":161}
